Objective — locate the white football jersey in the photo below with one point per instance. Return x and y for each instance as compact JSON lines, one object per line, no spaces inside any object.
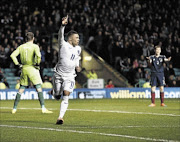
{"x":69,"y":57}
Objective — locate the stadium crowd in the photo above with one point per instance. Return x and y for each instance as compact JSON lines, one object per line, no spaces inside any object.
{"x":123,"y":33}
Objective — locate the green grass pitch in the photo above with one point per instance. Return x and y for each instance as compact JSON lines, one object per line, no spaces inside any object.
{"x":93,"y":120}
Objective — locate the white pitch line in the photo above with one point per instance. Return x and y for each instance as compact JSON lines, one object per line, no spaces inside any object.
{"x":27,"y":108}
{"x":86,"y":132}
{"x":114,"y":111}
{"x":109,"y":111}
{"x":118,"y":127}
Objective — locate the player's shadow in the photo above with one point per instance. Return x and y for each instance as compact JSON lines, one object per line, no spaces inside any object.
{"x":5,"y":112}
{"x":25,"y":121}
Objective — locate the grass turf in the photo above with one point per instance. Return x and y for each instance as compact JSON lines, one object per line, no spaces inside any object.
{"x":96,"y":120}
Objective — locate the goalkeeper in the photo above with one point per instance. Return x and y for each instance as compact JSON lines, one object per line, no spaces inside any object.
{"x":30,"y":57}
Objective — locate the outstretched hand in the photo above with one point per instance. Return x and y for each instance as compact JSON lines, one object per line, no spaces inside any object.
{"x":65,"y":20}
{"x":37,"y":66}
{"x":169,"y":58}
{"x":20,"y":66}
{"x":148,"y":58}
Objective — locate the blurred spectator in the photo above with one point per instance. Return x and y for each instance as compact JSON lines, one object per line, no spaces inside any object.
{"x":166,"y":73}
{"x":6,"y":83}
{"x":3,"y":57}
{"x":1,"y":74}
{"x":135,"y":63}
{"x":147,"y":74}
{"x":138,"y":75}
{"x":57,"y":17}
{"x":92,"y":74}
{"x":171,"y":70}
{"x":43,"y":61}
{"x":98,"y":41}
{"x":147,"y":83}
{"x":174,"y":84}
{"x":17,"y":84}
{"x":48,"y":58}
{"x":50,"y":27}
{"x":145,"y":49}
{"x":50,"y":79}
{"x":178,"y":81}
{"x":34,"y":27}
{"x":176,"y":57}
{"x":170,"y":82}
{"x":110,"y":28}
{"x":36,"y":12}
{"x":109,"y":84}
{"x":125,"y":64}
{"x":142,"y":62}
{"x":2,"y":85}
{"x":30,"y":85}
{"x":55,"y":58}
{"x":131,"y":75}
{"x":46,"y":84}
{"x":19,"y":37}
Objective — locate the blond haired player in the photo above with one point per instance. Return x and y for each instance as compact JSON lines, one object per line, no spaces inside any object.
{"x":157,"y":74}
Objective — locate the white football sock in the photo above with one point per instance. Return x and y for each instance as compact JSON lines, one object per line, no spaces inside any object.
{"x":43,"y":107}
{"x":64,"y":106}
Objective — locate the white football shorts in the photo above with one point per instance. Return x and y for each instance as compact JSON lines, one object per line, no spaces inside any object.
{"x":61,"y":83}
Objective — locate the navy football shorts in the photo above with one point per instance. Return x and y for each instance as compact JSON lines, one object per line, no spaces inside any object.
{"x":157,"y":79}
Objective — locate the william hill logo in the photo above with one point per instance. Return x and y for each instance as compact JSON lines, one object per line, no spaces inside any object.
{"x":127,"y":94}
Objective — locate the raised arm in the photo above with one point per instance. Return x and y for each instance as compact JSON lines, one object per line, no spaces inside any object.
{"x":167,"y":59}
{"x":61,"y":30}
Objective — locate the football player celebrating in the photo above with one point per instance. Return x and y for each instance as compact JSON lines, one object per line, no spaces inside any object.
{"x":157,"y":74}
{"x":64,"y":71}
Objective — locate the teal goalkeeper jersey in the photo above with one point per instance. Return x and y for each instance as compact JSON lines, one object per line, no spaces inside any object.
{"x":29,"y":54}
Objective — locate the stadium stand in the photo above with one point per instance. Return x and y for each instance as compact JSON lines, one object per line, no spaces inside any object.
{"x":110,"y":28}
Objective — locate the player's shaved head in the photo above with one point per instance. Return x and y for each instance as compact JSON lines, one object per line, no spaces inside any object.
{"x":157,"y":46}
{"x":73,"y":38}
{"x":29,"y":36}
{"x":70,"y":33}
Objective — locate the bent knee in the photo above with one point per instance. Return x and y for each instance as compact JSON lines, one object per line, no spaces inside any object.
{"x":161,"y":89}
{"x":66,"y":93}
{"x":38,"y":88}
{"x":21,"y":91}
{"x":153,"y":89}
{"x":57,"y":92}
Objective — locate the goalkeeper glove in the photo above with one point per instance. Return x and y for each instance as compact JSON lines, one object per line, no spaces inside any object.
{"x":20,"y":66}
{"x":37,"y":66}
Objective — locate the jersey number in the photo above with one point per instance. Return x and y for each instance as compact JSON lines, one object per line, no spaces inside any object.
{"x":26,"y":53}
{"x":72,"y":57}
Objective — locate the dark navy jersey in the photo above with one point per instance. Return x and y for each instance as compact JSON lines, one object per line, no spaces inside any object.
{"x":157,"y":63}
